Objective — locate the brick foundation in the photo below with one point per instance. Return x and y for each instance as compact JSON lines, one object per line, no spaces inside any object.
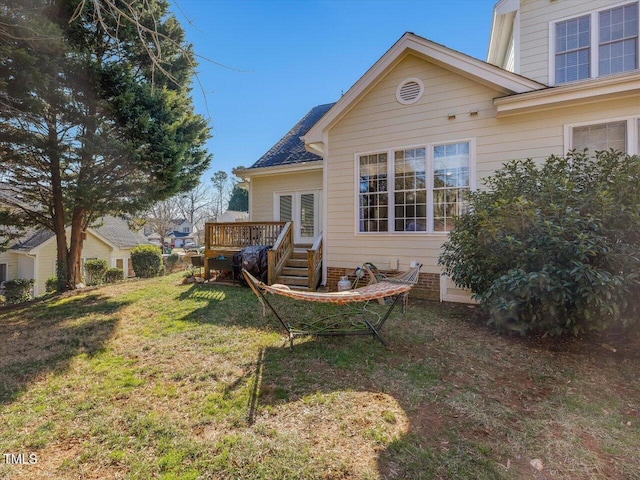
{"x":428,"y":286}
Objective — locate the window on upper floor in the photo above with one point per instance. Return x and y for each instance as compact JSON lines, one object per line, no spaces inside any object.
{"x":621,"y":135}
{"x":419,"y":189}
{"x":186,"y":230}
{"x":600,"y":43}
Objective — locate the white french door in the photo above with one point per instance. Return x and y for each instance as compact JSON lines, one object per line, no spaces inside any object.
{"x":303,"y":209}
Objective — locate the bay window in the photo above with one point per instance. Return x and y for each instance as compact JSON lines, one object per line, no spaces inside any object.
{"x":422,"y":189}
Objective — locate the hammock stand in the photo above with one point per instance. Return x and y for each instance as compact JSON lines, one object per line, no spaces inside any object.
{"x":354,"y":321}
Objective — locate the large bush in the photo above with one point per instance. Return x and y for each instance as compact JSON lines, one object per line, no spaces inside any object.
{"x":146,"y":261}
{"x":18,"y":290}
{"x":94,"y":271}
{"x":554,"y":248}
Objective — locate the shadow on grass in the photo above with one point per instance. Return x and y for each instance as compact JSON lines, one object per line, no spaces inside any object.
{"x":361,"y":369}
{"x":44,"y":338}
{"x":408,"y":382}
{"x":225,"y":305}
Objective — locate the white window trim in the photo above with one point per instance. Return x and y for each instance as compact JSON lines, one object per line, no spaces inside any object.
{"x":390,"y":175}
{"x":6,"y":270}
{"x":593,"y":58}
{"x":632,"y":132}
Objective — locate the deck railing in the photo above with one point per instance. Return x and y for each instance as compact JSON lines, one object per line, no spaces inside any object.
{"x":222,"y":239}
{"x":314,"y":262}
{"x":280,"y":253}
{"x":237,"y":235}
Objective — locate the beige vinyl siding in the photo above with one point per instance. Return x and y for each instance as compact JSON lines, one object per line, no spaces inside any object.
{"x":26,"y":267}
{"x":379,"y":122}
{"x":263,"y":188}
{"x":11,"y":260}
{"x":535,"y":18}
{"x":92,"y":247}
{"x":123,"y":254}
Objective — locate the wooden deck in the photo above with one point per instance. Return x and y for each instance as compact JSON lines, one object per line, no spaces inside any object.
{"x":223,"y":240}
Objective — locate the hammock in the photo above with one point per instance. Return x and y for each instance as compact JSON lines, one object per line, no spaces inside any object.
{"x":352,"y":321}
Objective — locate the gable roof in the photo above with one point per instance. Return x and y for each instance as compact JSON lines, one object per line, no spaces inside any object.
{"x":117,"y":231}
{"x":290,"y":149}
{"x":32,"y":239}
{"x":482,"y":72}
{"x":112,"y":230}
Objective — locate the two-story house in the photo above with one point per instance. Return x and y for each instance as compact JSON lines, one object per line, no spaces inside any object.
{"x":381,"y":174}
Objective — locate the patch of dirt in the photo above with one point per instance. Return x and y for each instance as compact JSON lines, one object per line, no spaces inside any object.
{"x":50,"y":461}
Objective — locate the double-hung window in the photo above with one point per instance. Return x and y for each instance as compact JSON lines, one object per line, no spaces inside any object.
{"x":418,"y":189}
{"x":600,"y":43}
{"x":622,"y":135}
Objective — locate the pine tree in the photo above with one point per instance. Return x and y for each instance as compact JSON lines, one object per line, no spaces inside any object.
{"x":91,"y":122}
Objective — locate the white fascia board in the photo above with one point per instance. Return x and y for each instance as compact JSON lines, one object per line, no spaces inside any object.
{"x":280,"y":169}
{"x":477,"y":70}
{"x":589,"y":91}
{"x":35,"y":249}
{"x":409,"y":43}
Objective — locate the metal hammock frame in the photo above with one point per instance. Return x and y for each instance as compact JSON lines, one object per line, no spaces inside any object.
{"x":397,"y":287}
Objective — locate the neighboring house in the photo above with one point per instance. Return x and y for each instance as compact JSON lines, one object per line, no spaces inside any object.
{"x":384,"y":171}
{"x":34,"y":255}
{"x":180,"y":231}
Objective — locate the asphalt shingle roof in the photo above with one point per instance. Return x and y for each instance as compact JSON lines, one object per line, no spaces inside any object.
{"x":290,"y":149}
{"x":112,"y":229}
{"x":116,"y":231}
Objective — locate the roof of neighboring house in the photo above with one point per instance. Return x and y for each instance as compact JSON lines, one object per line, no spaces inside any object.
{"x":117,"y":231}
{"x":32,"y":239}
{"x":114,"y":230}
{"x":290,"y":149}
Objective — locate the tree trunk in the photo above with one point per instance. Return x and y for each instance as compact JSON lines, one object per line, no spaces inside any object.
{"x":57,"y":205}
{"x":74,"y":260}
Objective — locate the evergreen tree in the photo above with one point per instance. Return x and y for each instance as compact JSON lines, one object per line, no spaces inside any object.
{"x":91,"y":121}
{"x":239,"y":200}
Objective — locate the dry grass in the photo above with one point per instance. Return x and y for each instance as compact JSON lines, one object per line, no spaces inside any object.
{"x":153,"y":379}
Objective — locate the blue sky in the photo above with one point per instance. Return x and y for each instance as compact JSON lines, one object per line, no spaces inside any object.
{"x":283,"y":57}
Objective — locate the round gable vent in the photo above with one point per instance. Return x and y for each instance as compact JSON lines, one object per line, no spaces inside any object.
{"x":410,"y":91}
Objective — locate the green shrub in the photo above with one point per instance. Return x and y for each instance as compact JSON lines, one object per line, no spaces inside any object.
{"x":18,"y":290}
{"x":51,"y":285}
{"x":146,"y":260}
{"x":173,"y":262}
{"x":553,"y":249}
{"x":94,"y":271}
{"x":113,"y":275}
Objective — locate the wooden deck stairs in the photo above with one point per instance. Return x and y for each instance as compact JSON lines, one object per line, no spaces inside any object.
{"x":295,"y":273}
{"x":296,"y":265}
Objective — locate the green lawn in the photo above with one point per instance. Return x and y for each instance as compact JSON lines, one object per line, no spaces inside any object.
{"x":154,"y":379}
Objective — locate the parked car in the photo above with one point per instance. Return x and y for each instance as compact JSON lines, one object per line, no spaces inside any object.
{"x":192,"y":247}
